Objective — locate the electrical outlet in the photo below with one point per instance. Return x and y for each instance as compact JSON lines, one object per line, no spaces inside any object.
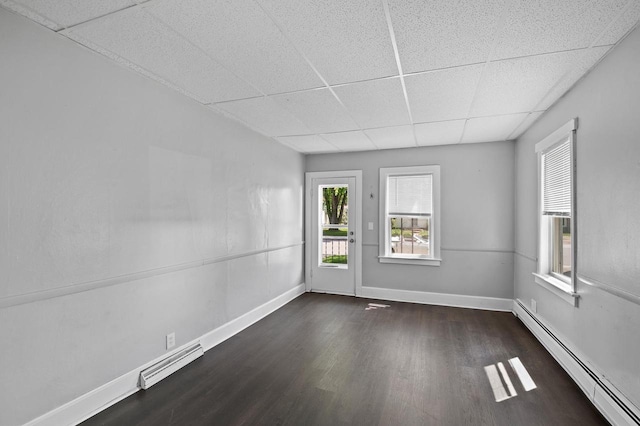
{"x":534,"y":305}
{"x":370,"y":226}
{"x":171,"y":340}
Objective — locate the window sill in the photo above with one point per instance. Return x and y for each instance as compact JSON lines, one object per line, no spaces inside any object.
{"x":410,"y":260}
{"x":557,"y":287}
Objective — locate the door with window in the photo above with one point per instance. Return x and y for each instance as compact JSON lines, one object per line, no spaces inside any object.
{"x":331,"y":233}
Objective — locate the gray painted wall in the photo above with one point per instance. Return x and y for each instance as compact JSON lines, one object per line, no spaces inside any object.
{"x":477,"y":196}
{"x":107,"y":176}
{"x":604,"y":328}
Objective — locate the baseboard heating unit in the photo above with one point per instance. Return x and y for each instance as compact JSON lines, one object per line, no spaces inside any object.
{"x":152,"y":375}
{"x":617,"y":409}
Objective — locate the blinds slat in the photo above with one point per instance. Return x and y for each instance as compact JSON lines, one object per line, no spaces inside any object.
{"x":410,"y":195}
{"x":557,"y":180}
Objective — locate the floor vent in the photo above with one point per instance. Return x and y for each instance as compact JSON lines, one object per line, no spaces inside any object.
{"x":152,"y":375}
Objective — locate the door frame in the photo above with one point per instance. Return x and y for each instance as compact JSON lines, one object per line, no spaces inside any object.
{"x":309,"y":176}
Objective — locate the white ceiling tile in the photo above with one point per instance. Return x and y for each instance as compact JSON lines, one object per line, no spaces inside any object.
{"x":544,"y":26}
{"x":307,"y":144}
{"x":442,"y":95}
{"x":137,"y":37}
{"x":349,"y":141}
{"x":433,"y":34}
{"x":318,"y":109}
{"x":439,"y":133}
{"x":582,"y":63}
{"x":528,"y":121}
{"x":346,"y":41}
{"x":392,"y":137}
{"x":375,"y":103}
{"x":266,"y":116}
{"x":491,"y":129}
{"x":622,"y":26}
{"x":518,"y":85}
{"x":242,"y":37}
{"x":64,"y":13}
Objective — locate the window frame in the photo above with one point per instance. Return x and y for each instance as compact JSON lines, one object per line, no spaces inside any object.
{"x":384,"y":252}
{"x":562,"y":286}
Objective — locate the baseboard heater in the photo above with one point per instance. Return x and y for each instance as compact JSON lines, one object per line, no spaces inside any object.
{"x":598,"y":381}
{"x":158,"y":371}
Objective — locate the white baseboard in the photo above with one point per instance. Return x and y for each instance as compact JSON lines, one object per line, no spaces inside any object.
{"x":443,"y":299}
{"x":118,"y":389}
{"x":233,"y":327}
{"x":614,"y":406}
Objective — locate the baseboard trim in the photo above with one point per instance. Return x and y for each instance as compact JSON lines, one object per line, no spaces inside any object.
{"x":442,"y":299}
{"x":103,"y":397}
{"x":233,"y":327}
{"x":614,"y":406}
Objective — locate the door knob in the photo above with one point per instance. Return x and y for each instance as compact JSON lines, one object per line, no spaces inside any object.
{"x":352,"y":240}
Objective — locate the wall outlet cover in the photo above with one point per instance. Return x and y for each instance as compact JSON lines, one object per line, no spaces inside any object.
{"x":171,"y":340}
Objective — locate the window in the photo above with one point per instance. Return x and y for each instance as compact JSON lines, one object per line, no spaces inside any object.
{"x":409,"y":215}
{"x":557,"y":225}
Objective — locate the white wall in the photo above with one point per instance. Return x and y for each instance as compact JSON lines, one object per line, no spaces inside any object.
{"x":121,"y":202}
{"x":477,"y":196}
{"x":604,"y":329}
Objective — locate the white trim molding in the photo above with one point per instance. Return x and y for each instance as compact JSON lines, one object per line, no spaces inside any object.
{"x":37,"y":296}
{"x":441,"y":299}
{"x":613,"y":405}
{"x":557,"y":287}
{"x":105,"y":396}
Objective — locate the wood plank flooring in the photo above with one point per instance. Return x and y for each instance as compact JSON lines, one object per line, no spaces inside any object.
{"x":325,"y":360}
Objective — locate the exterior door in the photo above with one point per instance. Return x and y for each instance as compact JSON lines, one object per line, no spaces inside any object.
{"x":332,"y":235}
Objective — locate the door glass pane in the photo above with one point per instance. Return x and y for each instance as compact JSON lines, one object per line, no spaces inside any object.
{"x":410,"y":235}
{"x":333,"y":226}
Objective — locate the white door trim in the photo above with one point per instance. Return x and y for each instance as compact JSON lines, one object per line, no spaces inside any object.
{"x":309,"y":176}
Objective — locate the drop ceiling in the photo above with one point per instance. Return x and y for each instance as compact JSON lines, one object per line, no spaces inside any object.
{"x":336,"y":75}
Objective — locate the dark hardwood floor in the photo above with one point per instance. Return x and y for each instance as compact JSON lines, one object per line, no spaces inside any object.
{"x":325,"y":360}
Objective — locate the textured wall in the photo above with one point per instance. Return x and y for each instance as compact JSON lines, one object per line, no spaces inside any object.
{"x":604,"y":328}
{"x":121,"y":206}
{"x":477,"y":190}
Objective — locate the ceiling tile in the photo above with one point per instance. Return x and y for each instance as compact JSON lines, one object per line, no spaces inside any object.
{"x":376,"y":103}
{"x":265,"y":115}
{"x":140,"y":39}
{"x":433,"y":34}
{"x":622,"y":26}
{"x":528,"y":121}
{"x":581,"y":65}
{"x":442,"y":95}
{"x":241,"y":37}
{"x":544,"y":26}
{"x":392,"y":137}
{"x":318,"y":109}
{"x":346,"y":41}
{"x":307,"y":144}
{"x":440,"y":133}
{"x":64,"y":13}
{"x":349,"y":141}
{"x":491,"y":129}
{"x":518,"y":85}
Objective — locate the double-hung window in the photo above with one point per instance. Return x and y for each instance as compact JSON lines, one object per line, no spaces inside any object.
{"x":409,"y":215}
{"x":556,"y":215}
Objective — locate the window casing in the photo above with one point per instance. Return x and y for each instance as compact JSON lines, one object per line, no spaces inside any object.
{"x":409,"y":215}
{"x":556,"y":212}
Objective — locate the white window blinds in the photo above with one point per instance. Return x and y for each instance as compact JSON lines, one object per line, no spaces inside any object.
{"x":557,"y":180}
{"x":410,"y":195}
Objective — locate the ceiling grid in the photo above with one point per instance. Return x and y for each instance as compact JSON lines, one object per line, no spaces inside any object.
{"x":337,"y":76}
